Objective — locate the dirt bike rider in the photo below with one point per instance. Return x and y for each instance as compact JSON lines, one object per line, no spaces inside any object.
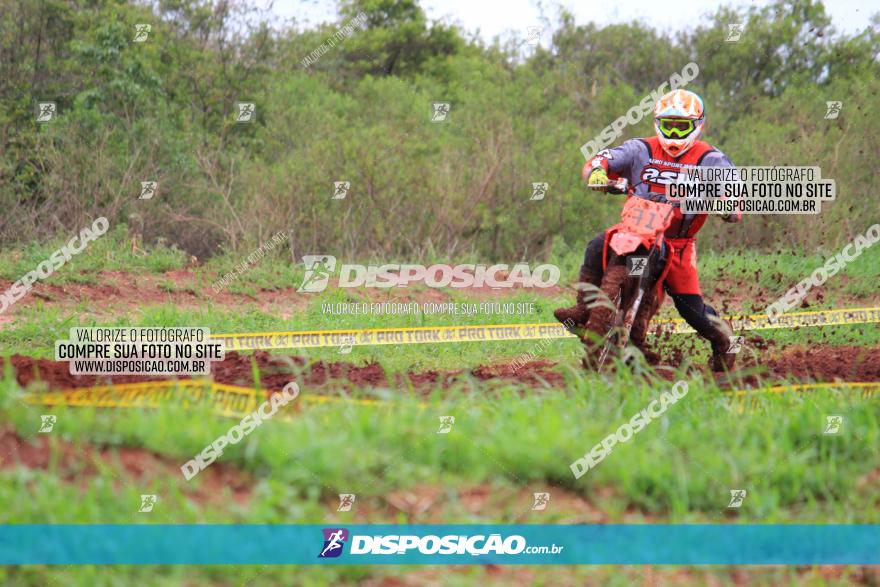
{"x":652,"y":163}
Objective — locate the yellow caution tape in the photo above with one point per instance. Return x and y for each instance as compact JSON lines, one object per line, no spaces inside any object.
{"x":226,"y":400}
{"x":743,"y":398}
{"x":786,"y":321}
{"x":503,"y":332}
{"x":235,"y":401}
{"x":867,"y":388}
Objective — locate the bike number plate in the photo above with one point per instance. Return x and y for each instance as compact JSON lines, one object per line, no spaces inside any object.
{"x":644,"y":217}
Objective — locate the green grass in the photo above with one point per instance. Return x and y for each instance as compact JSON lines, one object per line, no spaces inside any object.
{"x":679,"y":469}
{"x":110,"y":252}
{"x":785,"y":268}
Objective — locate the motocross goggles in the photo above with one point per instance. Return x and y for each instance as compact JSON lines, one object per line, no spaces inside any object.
{"x":676,"y":128}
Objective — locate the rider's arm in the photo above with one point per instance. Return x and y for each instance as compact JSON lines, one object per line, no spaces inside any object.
{"x":615,"y":162}
{"x":718,"y":159}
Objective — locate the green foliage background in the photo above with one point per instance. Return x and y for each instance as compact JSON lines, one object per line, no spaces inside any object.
{"x":163,"y":110}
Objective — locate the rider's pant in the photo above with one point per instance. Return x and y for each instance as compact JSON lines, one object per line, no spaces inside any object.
{"x":696,"y":313}
{"x":593,"y":255}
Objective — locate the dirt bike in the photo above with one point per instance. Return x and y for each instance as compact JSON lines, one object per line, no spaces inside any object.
{"x":628,"y":294}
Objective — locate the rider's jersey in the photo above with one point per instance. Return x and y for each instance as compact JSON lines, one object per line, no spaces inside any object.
{"x":649,"y":168}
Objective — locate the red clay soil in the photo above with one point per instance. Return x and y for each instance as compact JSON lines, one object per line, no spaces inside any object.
{"x":277,"y":370}
{"x":828,"y":363}
{"x":819,"y":363}
{"x":77,"y":463}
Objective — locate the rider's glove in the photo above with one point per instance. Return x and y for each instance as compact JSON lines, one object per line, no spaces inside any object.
{"x":598,"y":178}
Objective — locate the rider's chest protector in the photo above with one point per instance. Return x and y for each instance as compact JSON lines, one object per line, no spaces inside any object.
{"x":662,"y":169}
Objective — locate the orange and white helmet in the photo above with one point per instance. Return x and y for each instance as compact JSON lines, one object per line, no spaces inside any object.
{"x":678,"y":121}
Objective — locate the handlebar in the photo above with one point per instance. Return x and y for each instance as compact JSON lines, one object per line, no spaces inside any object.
{"x":622,"y":186}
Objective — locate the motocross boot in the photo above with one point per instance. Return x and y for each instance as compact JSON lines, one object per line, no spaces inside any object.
{"x":723,"y":358}
{"x":578,"y":315}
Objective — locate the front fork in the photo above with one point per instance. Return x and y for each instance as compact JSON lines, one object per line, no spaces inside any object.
{"x":618,"y":336}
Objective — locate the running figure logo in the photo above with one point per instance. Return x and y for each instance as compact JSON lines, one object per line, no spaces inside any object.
{"x":636,"y":265}
{"x":246,"y":111}
{"x":46,"y":111}
{"x":47,"y":422}
{"x":141,"y":32}
{"x":832,"y":109}
{"x":541,"y":501}
{"x":147,"y":503}
{"x":734,"y":32}
{"x":446,"y":424}
{"x":539,"y":190}
{"x":439,"y":111}
{"x":345,"y":343}
{"x":334,"y":540}
{"x":148,"y":190}
{"x":346,"y":500}
{"x":736,"y":344}
{"x":318,"y":271}
{"x":533,"y":35}
{"x":736,"y":498}
{"x":833,"y":424}
{"x":341,"y":189}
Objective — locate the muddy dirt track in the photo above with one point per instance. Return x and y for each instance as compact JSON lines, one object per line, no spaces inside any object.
{"x":796,"y":364}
